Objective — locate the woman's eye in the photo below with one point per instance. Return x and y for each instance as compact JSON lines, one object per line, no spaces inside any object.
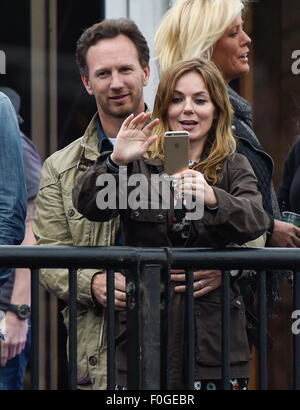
{"x":102,"y":74}
{"x":234,"y":34}
{"x":176,"y":100}
{"x":200,"y":101}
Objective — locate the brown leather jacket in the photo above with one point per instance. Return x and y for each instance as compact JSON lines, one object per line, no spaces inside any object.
{"x":240,"y":217}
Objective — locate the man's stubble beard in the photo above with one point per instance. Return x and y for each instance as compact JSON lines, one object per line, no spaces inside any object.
{"x":118,"y":112}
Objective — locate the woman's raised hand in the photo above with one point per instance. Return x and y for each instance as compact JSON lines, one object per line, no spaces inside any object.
{"x":133,"y":139}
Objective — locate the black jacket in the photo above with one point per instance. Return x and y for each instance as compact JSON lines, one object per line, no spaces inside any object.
{"x":262,"y":164}
{"x":249,"y":145}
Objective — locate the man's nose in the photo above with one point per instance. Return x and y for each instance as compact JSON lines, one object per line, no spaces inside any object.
{"x":116,"y":81}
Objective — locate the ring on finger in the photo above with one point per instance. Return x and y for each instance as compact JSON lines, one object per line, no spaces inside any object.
{"x":201,"y":284}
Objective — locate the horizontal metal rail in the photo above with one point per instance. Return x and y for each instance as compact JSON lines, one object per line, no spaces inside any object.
{"x":94,"y":257}
{"x":113,"y":258}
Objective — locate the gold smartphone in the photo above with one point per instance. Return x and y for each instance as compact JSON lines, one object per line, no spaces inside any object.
{"x":177,"y":150}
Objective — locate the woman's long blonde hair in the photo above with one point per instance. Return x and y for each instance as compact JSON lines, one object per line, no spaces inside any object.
{"x":191,"y":27}
{"x":220,"y":143}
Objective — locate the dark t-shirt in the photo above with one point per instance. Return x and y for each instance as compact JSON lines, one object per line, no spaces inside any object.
{"x":289,"y":189}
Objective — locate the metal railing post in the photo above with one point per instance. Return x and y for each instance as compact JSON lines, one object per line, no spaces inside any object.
{"x":35,"y":332}
{"x":226,"y":330}
{"x":110,"y":283}
{"x":133,"y":314}
{"x":165,"y":326}
{"x":72,"y":329}
{"x":296,"y":337}
{"x":262,"y":317}
{"x":190,"y":345}
{"x":150,"y":326}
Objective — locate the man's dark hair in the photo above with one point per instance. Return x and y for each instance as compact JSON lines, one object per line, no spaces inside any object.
{"x":111,"y":28}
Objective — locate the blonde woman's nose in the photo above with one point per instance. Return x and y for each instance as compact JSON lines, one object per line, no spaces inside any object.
{"x":246,"y":39}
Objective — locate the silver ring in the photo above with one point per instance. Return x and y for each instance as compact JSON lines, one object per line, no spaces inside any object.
{"x":201,"y":284}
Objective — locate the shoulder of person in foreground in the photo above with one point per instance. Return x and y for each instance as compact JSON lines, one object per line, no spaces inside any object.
{"x":32,"y":166}
{"x":13,"y":195}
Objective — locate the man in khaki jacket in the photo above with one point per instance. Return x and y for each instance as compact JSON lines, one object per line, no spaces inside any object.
{"x":113,"y":59}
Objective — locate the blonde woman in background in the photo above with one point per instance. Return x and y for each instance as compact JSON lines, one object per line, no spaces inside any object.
{"x":213,"y":29}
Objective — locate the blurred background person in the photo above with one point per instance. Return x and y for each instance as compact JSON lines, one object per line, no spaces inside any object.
{"x":289,"y":189}
{"x":12,"y":181}
{"x":15,"y":297}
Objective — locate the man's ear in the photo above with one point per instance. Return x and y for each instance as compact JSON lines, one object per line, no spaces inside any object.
{"x":146,"y":75}
{"x":86,"y":83}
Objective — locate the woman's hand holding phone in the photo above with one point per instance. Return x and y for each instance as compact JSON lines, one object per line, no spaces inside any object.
{"x":192,"y":183}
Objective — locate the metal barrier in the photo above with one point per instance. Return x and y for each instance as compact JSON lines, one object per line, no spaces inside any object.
{"x":148,"y":370}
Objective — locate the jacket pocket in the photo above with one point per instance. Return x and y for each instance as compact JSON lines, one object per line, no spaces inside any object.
{"x":70,"y":210}
{"x":208,"y":333}
{"x":79,"y":226}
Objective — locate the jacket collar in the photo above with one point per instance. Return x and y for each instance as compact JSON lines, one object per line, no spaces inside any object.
{"x":90,"y":140}
{"x":156,"y":162}
{"x":241,"y":106}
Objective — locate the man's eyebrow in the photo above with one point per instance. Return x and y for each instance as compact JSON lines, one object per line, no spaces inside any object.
{"x":100,"y":69}
{"x":130,"y":65}
{"x":110,"y":68}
